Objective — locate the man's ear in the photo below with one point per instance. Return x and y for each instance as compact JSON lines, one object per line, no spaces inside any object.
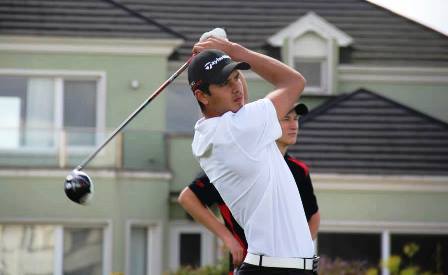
{"x":201,"y":96}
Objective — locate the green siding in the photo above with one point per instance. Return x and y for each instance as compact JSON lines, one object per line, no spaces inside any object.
{"x":116,"y":199}
{"x":183,"y":165}
{"x":120,"y":70}
{"x":426,"y":98}
{"x":121,"y":99}
{"x":392,"y":206}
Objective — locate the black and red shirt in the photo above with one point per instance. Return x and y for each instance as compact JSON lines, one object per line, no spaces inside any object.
{"x":209,"y":196}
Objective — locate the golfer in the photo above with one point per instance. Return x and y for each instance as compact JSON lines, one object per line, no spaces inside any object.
{"x":201,"y":194}
{"x":235,"y":146}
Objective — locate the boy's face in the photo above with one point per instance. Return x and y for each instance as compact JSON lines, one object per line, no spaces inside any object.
{"x":227,"y":96}
{"x":290,"y":128}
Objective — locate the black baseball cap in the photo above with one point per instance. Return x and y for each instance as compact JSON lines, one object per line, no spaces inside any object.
{"x":300,"y":109}
{"x":212,"y":67}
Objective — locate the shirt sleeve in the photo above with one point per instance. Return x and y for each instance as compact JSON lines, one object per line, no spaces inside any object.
{"x":255,"y":125}
{"x":205,"y":191}
{"x":308,"y":198}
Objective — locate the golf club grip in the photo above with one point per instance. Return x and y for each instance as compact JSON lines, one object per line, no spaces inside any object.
{"x":134,"y":114}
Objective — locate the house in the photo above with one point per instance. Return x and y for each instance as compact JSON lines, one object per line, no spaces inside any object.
{"x":70,"y":72}
{"x":380,"y":170}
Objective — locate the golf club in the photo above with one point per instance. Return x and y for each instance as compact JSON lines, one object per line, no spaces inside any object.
{"x":78,"y":186}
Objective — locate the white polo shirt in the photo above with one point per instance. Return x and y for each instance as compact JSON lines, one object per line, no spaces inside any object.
{"x":238,"y":153}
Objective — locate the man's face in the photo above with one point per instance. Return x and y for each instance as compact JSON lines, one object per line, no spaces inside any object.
{"x":290,"y":128}
{"x":227,"y":96}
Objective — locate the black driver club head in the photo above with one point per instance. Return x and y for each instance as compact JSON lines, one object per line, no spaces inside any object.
{"x":78,"y":187}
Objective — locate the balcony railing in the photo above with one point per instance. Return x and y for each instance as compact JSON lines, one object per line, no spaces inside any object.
{"x":68,"y":147}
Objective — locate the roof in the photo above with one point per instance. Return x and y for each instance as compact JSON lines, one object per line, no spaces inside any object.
{"x":365,"y":133}
{"x":83,"y":18}
{"x":380,"y":36}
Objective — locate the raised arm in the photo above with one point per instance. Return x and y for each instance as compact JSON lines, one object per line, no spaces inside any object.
{"x":288,"y":83}
{"x":204,"y":216}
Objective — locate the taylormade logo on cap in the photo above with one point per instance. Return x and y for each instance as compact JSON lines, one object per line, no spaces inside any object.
{"x":209,"y":65}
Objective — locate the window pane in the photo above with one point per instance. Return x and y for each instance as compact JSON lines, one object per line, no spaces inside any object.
{"x":26,"y":250}
{"x":80,"y":100}
{"x":39,"y":120}
{"x":9,"y":122}
{"x":182,"y":109}
{"x":351,"y":247}
{"x":432,"y":254}
{"x":35,"y":111}
{"x":12,"y":88}
{"x":190,"y":249}
{"x":312,"y":71}
{"x":139,"y":241}
{"x":83,"y":251}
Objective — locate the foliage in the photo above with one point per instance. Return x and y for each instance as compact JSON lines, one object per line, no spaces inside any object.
{"x":327,"y":266}
{"x":222,"y":268}
{"x":207,"y":270}
{"x":338,"y":266}
{"x":395,"y":266}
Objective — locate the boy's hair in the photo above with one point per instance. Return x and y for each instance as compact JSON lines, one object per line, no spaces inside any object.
{"x":205,"y":89}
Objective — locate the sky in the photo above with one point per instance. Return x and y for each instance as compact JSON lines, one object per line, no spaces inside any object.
{"x":431,"y":13}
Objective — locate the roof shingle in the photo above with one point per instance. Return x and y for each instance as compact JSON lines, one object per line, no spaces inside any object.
{"x":365,"y":133}
{"x":84,"y":18}
{"x":380,"y":36}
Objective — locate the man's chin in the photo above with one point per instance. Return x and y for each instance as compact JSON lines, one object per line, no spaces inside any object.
{"x":237,"y":108}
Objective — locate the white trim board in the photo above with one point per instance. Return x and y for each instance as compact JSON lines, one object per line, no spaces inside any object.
{"x":89,"y":46}
{"x":70,"y":74}
{"x":339,"y":182}
{"x":56,"y":173}
{"x":68,"y":222}
{"x":380,"y":226}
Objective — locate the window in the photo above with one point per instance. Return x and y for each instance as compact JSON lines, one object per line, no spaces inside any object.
{"x":360,"y":247}
{"x":27,"y":249}
{"x":190,"y":249}
{"x":35,"y":108}
{"x":182,"y":109}
{"x":51,"y":250}
{"x":83,"y":251}
{"x":144,"y":248}
{"x":432,"y":253}
{"x":80,"y":118}
{"x":315,"y":72}
{"x":191,"y":245}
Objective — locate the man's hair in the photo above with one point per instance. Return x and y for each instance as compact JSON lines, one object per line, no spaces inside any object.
{"x":205,"y":89}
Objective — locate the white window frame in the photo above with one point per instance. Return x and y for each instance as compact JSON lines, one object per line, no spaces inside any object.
{"x":328,"y":70}
{"x":154,"y":245}
{"x":59,"y":76}
{"x":386,"y":229}
{"x":59,"y":226}
{"x":208,"y":244}
{"x":324,"y":69}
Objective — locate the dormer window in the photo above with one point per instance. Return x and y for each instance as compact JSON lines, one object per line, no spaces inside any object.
{"x":315,"y":70}
{"x":311,"y":45}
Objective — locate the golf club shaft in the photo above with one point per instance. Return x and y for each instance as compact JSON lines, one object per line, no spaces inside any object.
{"x":134,"y":114}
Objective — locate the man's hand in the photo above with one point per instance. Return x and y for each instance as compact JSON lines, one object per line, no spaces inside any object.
{"x":236,"y":250}
{"x":234,"y":50}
